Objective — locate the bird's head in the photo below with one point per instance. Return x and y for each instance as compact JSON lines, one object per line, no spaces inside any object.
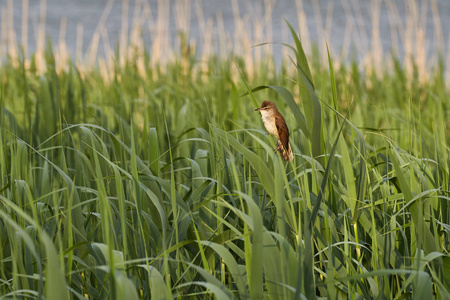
{"x":267,"y":107}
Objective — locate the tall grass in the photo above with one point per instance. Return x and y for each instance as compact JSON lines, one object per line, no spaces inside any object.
{"x":162,"y":184}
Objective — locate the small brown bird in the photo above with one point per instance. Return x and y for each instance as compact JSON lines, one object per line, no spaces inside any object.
{"x":276,"y":125}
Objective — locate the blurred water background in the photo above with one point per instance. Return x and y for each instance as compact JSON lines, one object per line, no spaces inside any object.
{"x":368,"y":31}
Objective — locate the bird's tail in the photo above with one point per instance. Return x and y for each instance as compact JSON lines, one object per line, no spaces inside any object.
{"x":287,"y":153}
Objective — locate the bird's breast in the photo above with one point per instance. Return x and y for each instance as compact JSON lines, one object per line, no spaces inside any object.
{"x":269,"y":123}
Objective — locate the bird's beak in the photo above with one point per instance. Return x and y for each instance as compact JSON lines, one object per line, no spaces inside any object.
{"x":258,"y":109}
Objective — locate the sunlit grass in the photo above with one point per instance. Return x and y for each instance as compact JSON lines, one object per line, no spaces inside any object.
{"x":164,"y":184}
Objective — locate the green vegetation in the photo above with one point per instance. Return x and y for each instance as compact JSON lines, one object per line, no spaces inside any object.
{"x":161,"y":182}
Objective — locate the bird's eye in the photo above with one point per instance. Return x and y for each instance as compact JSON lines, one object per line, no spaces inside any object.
{"x":265,"y":108}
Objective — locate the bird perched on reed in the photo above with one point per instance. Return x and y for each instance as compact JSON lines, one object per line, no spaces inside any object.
{"x":276,"y":125}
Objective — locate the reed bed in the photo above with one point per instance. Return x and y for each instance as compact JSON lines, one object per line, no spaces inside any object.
{"x":144,"y":179}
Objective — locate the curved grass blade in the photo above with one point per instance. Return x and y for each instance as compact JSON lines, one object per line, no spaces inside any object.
{"x":425,"y":236}
{"x":55,"y":284}
{"x":308,"y":97}
{"x":157,"y":285}
{"x":232,"y":265}
{"x":256,"y":162}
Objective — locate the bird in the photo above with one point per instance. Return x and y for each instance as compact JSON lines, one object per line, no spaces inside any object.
{"x":276,"y":125}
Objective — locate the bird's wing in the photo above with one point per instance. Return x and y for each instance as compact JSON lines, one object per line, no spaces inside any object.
{"x":283,"y":131}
